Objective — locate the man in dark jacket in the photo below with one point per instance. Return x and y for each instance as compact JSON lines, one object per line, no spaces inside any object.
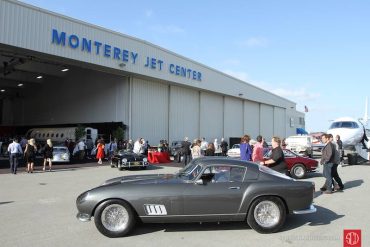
{"x":327,"y":161}
{"x":185,"y":150}
{"x":224,"y":146}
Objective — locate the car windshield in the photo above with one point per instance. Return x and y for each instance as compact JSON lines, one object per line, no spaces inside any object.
{"x":59,"y":149}
{"x":190,"y":171}
{"x":236,"y":146}
{"x":123,"y":152}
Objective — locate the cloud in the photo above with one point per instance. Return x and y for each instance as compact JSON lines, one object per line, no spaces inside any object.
{"x":167,"y":29}
{"x":148,"y":13}
{"x":253,"y":42}
{"x":299,"y":95}
{"x":237,"y":74}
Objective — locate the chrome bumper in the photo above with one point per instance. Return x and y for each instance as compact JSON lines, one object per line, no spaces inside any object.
{"x":309,"y":210}
{"x":83,"y":217}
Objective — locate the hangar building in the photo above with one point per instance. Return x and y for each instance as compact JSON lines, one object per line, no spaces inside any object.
{"x":58,"y":70}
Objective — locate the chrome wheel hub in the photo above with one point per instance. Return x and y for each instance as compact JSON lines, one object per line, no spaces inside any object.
{"x":115,"y":217}
{"x":299,"y":171}
{"x":267,"y":214}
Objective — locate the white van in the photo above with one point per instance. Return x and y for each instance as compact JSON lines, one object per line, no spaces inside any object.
{"x":300,"y":144}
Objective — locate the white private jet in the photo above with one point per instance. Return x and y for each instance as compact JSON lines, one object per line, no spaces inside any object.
{"x":352,"y":132}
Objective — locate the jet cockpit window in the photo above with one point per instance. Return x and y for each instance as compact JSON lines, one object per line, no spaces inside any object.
{"x":348,"y":125}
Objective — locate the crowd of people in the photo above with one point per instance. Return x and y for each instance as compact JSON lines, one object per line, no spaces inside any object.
{"x":27,"y":150}
{"x":332,"y":153}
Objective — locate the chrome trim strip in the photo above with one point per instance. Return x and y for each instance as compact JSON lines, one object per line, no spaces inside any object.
{"x":309,"y":210}
{"x":195,"y":215}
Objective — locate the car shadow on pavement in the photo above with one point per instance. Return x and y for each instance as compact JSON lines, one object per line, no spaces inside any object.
{"x":323,"y":216}
{"x":184,"y":227}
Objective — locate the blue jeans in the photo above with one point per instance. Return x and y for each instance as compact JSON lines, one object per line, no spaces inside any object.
{"x":328,"y":176}
{"x":13,"y":158}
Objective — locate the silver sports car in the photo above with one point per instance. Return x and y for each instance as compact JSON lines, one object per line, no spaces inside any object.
{"x":206,"y":190}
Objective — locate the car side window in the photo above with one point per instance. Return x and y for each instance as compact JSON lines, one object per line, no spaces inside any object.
{"x":221,"y":174}
{"x":237,"y":174}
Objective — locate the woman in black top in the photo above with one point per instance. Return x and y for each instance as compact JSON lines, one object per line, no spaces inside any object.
{"x":30,"y":155}
{"x":48,"y":154}
{"x":277,"y":160}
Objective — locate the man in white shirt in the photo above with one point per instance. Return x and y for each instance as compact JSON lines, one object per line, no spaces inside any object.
{"x":137,"y":146}
{"x":203,"y":146}
{"x":15,"y":151}
{"x":81,"y":146}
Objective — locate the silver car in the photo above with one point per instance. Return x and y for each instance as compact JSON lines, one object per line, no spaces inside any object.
{"x":208,"y":189}
{"x":61,"y":154}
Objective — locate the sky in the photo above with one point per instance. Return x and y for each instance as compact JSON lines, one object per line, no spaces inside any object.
{"x":313,"y":52}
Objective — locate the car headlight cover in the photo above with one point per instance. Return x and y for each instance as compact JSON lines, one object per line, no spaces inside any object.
{"x":145,"y":159}
{"x":124,"y":160}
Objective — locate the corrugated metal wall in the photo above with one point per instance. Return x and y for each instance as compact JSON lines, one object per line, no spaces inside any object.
{"x":267,"y":121}
{"x":183,"y":113}
{"x":252,"y":118}
{"x":211,"y":115}
{"x":279,"y":122}
{"x":233,"y":117}
{"x":149,"y":111}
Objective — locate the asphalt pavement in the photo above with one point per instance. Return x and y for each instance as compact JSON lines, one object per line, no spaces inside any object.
{"x":39,"y":210}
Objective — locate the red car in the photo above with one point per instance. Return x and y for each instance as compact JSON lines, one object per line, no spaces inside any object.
{"x":298,"y":166}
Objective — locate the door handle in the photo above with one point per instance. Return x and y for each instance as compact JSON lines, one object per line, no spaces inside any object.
{"x":234,"y":188}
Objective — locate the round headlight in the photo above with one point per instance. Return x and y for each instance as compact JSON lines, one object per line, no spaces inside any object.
{"x":124,"y":160}
{"x":145,"y":159}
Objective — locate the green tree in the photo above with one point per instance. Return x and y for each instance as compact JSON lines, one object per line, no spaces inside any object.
{"x":118,"y":134}
{"x":80,"y":132}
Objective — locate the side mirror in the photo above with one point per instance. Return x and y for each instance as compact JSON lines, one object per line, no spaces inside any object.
{"x":199,"y":182}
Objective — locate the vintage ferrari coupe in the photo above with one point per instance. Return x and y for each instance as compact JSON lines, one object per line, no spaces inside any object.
{"x":209,"y":189}
{"x":124,"y":159}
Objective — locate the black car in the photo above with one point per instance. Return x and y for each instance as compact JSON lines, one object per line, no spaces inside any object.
{"x":128,"y":159}
{"x":176,"y":148}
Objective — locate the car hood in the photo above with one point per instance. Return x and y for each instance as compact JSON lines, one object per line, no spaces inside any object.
{"x":146,"y":179}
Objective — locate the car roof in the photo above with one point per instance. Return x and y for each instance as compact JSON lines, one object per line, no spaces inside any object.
{"x":212,"y":160}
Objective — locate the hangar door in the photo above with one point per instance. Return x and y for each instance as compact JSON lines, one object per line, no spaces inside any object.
{"x":211,"y":116}
{"x":233,"y":117}
{"x":252,"y":118}
{"x":149,"y":111}
{"x":267,"y":121}
{"x":183,"y":113}
{"x":279,"y":122}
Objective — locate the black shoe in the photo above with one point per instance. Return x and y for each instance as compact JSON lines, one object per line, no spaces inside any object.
{"x":322,"y":189}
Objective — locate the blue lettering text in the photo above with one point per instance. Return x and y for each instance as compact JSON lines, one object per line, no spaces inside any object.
{"x":86,"y":45}
{"x":116,"y":53}
{"x":97,"y":44}
{"x":73,"y":41}
{"x":107,"y":50}
{"x":58,"y":39}
{"x":125,"y":55}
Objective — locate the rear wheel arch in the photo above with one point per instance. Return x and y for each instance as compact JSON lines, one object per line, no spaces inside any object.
{"x":269,"y":195}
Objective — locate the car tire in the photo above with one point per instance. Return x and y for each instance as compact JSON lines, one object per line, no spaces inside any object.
{"x":266,"y":214}
{"x":298,"y":171}
{"x":114,"y":218}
